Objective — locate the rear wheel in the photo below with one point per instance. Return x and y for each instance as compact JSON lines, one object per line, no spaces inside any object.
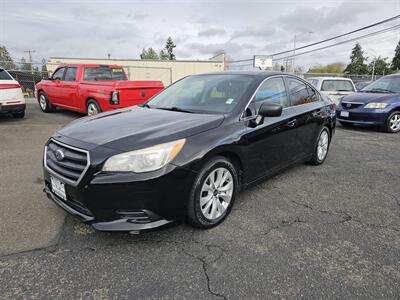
{"x":213,"y":193}
{"x":44,"y":103}
{"x":321,"y":148}
{"x":92,"y":108}
{"x":393,"y":122}
{"x":19,"y":115}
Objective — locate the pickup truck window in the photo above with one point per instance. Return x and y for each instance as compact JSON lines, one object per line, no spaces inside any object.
{"x":59,"y":74}
{"x":104,"y":73}
{"x":70,"y":75}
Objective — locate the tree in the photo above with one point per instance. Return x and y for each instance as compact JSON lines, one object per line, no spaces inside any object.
{"x":44,"y":66}
{"x":163,"y":55}
{"x":24,"y":66}
{"x":357,"y":64}
{"x":169,"y":47}
{"x":335,"y":68}
{"x":5,"y":59}
{"x":379,"y":66}
{"x":150,"y":53}
{"x":396,"y":58}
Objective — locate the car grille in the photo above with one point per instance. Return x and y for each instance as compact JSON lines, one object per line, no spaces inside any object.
{"x":351,"y":105}
{"x":66,"y":161}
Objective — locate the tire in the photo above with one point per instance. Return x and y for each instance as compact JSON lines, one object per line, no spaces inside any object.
{"x":44,"y":103}
{"x":322,"y":144}
{"x":210,"y":213}
{"x":19,"y":115}
{"x":345,"y":124}
{"x":393,"y":122}
{"x":92,"y":108}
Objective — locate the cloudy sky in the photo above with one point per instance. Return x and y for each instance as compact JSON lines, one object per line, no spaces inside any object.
{"x":199,"y":28}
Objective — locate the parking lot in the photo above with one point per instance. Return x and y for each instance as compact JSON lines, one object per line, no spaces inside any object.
{"x":331,"y":231}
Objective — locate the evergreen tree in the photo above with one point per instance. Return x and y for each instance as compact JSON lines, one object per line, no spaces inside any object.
{"x":381,"y":67}
{"x":5,"y":59}
{"x":169,"y":47}
{"x":44,"y":66}
{"x":396,"y":59}
{"x":357,"y":64}
{"x":150,"y":53}
{"x":163,"y":55}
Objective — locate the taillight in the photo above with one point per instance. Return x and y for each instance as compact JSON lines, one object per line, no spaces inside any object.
{"x":9,"y":86}
{"x":114,"y":98}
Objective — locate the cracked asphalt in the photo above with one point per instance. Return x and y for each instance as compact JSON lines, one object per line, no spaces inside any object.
{"x":331,"y":231}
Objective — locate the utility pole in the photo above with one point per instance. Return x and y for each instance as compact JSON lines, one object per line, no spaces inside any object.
{"x":373,"y":69}
{"x":30,"y":58}
{"x":108,"y":55}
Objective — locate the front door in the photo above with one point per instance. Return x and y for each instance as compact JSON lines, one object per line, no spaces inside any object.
{"x":69,"y":92}
{"x":55,"y":85}
{"x":272,"y":144}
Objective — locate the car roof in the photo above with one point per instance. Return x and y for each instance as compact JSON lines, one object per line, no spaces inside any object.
{"x":89,"y":65}
{"x":329,"y":78}
{"x":260,"y":74}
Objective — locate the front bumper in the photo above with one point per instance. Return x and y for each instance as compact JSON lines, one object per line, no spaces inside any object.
{"x":12,"y":108}
{"x":121,"y":202}
{"x":363,"y":116}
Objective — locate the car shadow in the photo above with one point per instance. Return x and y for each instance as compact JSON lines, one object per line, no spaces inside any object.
{"x":360,"y":128}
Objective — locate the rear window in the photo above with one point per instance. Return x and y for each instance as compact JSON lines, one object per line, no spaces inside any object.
{"x":4,"y":75}
{"x":337,"y":85}
{"x":104,"y":73}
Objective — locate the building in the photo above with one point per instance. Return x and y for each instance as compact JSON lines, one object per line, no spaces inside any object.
{"x":168,"y":71}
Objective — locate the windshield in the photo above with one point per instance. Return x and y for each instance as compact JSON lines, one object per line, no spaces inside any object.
{"x":337,"y":86}
{"x":389,"y":84}
{"x":104,"y":73}
{"x":203,"y":94}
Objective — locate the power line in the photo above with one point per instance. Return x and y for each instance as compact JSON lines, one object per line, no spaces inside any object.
{"x":328,"y":39}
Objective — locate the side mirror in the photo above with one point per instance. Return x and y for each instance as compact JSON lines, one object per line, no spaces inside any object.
{"x":270,"y":110}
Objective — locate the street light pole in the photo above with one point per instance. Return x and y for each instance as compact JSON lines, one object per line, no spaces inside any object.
{"x":294,"y":50}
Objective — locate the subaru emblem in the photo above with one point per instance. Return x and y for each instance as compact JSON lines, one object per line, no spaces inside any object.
{"x":59,"y":155}
{"x":348,"y":105}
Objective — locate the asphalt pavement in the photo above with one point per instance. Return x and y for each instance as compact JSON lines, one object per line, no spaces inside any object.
{"x":330,"y":231}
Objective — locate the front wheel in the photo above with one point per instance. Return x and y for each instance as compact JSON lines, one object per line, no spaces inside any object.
{"x":213,"y":193}
{"x":321,"y":148}
{"x":44,"y":103}
{"x":393,"y":122}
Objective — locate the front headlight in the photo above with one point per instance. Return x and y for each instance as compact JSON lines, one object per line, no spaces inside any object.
{"x":376,"y":105}
{"x":144,"y":160}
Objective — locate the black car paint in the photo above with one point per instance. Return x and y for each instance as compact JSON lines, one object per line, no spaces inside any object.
{"x":257,"y":151}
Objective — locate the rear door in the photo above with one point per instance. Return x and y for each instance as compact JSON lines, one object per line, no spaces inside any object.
{"x":271,"y":145}
{"x":54,"y":86}
{"x":310,"y":114}
{"x":68,"y":92}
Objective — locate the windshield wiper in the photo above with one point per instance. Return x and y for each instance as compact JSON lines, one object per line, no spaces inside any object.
{"x":145,"y":105}
{"x":174,"y":108}
{"x":379,"y":90}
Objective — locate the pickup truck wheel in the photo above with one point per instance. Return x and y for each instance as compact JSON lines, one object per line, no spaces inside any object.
{"x":44,"y":103}
{"x":92,"y":108}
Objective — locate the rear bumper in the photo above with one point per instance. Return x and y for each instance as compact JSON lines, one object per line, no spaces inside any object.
{"x":12,"y":108}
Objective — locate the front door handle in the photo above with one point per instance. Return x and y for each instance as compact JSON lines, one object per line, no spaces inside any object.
{"x":291,"y":123}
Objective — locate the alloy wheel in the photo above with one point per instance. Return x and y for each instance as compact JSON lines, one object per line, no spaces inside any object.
{"x":323,"y":144}
{"x":42,"y":102}
{"x":216,"y":193}
{"x":92,"y":110}
{"x":394,"y":122}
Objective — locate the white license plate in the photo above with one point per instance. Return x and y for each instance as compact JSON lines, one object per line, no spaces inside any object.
{"x":58,"y":188}
{"x":344,"y":114}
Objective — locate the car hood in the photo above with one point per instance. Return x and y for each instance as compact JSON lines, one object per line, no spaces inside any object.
{"x":135,"y":127}
{"x":370,"y":97}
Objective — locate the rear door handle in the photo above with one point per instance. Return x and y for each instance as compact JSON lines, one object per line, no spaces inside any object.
{"x":291,"y":123}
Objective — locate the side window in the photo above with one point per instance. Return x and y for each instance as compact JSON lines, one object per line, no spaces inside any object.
{"x":300,"y":93}
{"x":70,"y":74}
{"x":58,"y":75}
{"x":273,"y":91}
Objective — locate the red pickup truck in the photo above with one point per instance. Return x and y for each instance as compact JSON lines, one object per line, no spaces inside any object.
{"x":91,"y":89}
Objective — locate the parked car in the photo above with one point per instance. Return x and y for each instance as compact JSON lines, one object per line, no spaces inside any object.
{"x":11,"y":98}
{"x":377,"y":104}
{"x":91,"y":89}
{"x":361,"y":84}
{"x":188,"y":151}
{"x":333,"y":87}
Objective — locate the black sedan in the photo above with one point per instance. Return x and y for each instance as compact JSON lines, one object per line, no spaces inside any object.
{"x":187,"y":152}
